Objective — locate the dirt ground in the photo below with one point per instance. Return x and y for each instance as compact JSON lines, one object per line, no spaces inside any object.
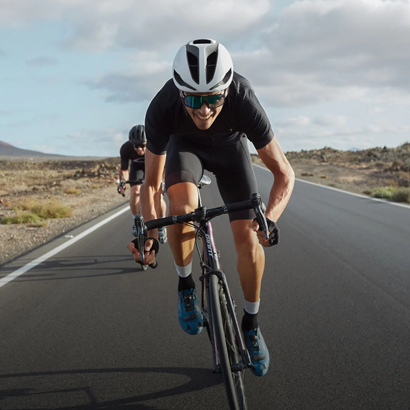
{"x":93,"y":188}
{"x":354,"y":171}
{"x":95,"y":194}
{"x":358,"y":179}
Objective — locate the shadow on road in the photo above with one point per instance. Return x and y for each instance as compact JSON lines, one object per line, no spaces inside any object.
{"x":45,"y":392}
{"x":95,"y":266}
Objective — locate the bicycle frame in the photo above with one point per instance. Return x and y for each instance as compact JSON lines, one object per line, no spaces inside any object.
{"x":211,"y":266}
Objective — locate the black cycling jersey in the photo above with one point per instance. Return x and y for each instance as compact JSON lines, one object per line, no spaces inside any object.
{"x":221,"y":149}
{"x":137,"y":171}
{"x":128,"y":153}
{"x":241,"y":113}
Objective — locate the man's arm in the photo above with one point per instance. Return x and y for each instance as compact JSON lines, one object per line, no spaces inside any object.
{"x":151,"y":188}
{"x":124,"y":174}
{"x":150,"y":203}
{"x":284,"y":178}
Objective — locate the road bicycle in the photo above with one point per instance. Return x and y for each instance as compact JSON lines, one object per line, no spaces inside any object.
{"x":230,"y":355}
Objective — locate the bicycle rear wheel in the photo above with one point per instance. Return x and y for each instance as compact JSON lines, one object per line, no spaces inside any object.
{"x":227,"y":349}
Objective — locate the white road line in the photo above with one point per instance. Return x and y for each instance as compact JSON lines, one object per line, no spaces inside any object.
{"x":344,"y":192}
{"x":48,"y":255}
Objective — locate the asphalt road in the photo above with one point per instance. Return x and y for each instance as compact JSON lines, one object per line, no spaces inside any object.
{"x":87,"y":329}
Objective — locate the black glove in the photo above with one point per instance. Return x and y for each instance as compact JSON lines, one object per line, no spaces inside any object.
{"x":121,"y":185}
{"x":155,"y":247}
{"x":273,"y":232}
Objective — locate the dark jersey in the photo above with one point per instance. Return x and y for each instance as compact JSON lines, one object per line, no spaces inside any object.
{"x":241,"y":113}
{"x":128,"y":153}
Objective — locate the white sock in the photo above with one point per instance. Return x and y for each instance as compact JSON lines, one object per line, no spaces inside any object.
{"x":251,"y":307}
{"x":184,"y":271}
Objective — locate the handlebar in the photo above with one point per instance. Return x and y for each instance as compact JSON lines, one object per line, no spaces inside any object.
{"x":121,"y":183}
{"x":200,"y":215}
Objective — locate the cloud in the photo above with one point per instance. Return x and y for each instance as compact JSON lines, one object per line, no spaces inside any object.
{"x":337,"y":132}
{"x":332,"y":50}
{"x":143,"y":76}
{"x":31,"y":121}
{"x":316,"y":51}
{"x":41,"y":61}
{"x":97,"y":26}
{"x":105,"y":142}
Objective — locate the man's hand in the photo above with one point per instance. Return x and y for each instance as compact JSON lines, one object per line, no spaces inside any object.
{"x":273,"y":233}
{"x":121,"y":187}
{"x":149,"y":252}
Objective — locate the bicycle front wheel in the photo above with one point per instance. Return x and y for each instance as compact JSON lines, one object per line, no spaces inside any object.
{"x":227,"y":349}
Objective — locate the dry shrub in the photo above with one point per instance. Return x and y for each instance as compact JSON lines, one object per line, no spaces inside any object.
{"x":24,"y":204}
{"x":21,"y":217}
{"x":33,"y":211}
{"x":52,"y":210}
{"x":401,"y":195}
{"x":72,"y":191}
{"x":383,"y":193}
{"x":392,"y":193}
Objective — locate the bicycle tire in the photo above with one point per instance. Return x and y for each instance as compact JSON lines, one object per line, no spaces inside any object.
{"x":233,"y":350}
{"x":221,"y":324}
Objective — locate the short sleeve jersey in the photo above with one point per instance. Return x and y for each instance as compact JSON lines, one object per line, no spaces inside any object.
{"x":128,"y":153}
{"x":241,"y":113}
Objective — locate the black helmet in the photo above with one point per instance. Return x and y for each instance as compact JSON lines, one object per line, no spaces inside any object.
{"x":137,"y":135}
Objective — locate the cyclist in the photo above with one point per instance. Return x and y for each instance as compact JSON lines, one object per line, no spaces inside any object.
{"x":201,"y":119}
{"x":134,"y":150}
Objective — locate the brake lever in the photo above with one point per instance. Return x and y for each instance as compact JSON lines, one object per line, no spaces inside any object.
{"x":121,"y":185}
{"x":260,"y":208}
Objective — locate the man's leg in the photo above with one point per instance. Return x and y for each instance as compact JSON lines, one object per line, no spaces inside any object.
{"x":135,"y":199}
{"x":251,"y":259}
{"x":162,"y":232}
{"x":250,"y":265}
{"x":183,"y":198}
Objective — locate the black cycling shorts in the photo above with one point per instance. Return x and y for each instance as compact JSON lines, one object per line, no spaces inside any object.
{"x":137,"y":173}
{"x":230,"y":162}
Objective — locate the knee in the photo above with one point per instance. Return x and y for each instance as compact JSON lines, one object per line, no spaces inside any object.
{"x":183,"y":198}
{"x":246,"y":242}
{"x":135,"y":190}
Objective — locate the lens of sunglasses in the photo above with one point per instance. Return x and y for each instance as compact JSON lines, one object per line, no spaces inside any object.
{"x":140,"y":146}
{"x":196,"y":101}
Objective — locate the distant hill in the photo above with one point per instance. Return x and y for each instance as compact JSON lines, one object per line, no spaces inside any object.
{"x":8,"y":150}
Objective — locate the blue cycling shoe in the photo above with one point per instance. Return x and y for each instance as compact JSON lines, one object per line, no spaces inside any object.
{"x":255,"y":343}
{"x":189,"y":312}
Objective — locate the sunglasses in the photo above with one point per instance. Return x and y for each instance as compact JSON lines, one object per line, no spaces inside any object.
{"x":140,"y":146}
{"x":196,"y":101}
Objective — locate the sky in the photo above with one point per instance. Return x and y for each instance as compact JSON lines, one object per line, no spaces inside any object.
{"x":75,"y":75}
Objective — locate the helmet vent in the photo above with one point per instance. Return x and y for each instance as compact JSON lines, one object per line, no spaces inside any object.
{"x":211,"y":66}
{"x":181,"y":82}
{"x":202,"y":41}
{"x":193,"y":64}
{"x":224,"y":80}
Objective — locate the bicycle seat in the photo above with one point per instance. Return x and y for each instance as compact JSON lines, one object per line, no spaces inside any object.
{"x":205,"y":180}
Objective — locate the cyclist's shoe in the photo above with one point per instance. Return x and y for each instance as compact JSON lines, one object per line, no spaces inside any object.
{"x":189,"y":312}
{"x":134,"y":231}
{"x":162,"y":235}
{"x":255,"y":343}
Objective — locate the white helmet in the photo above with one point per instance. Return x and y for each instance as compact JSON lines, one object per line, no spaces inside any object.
{"x":202,"y":66}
